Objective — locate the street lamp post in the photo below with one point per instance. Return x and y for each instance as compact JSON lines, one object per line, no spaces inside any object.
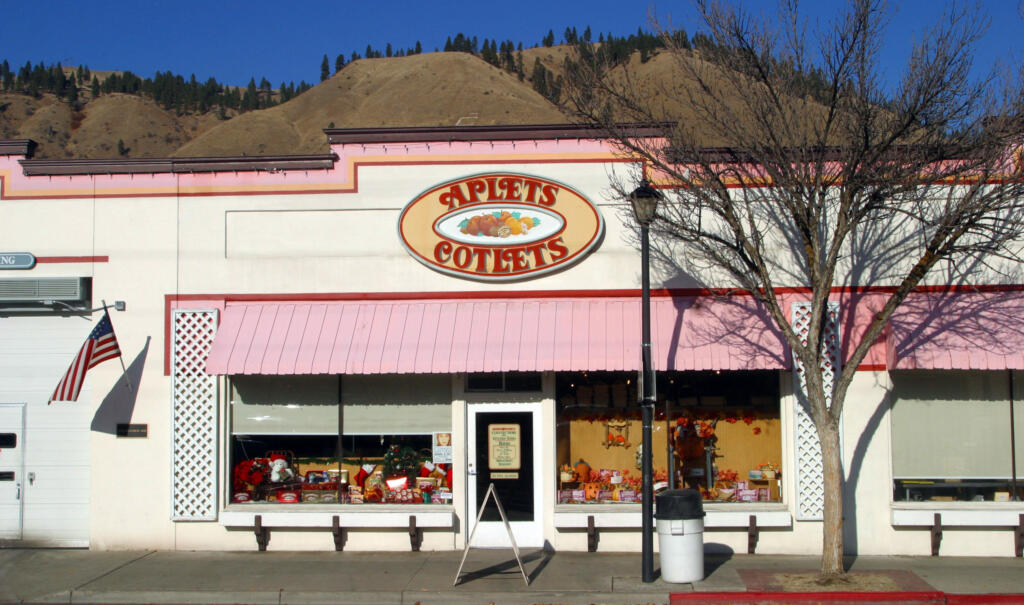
{"x":645,"y":204}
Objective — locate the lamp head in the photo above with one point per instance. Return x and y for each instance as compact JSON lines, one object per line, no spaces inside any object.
{"x":645,"y":203}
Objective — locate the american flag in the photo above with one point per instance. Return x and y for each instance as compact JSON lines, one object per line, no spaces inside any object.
{"x":99,"y":347}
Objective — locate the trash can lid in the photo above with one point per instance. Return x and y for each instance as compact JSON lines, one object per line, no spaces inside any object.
{"x":679,"y":504}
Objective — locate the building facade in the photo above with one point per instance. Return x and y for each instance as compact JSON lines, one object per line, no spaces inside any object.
{"x":347,"y":350}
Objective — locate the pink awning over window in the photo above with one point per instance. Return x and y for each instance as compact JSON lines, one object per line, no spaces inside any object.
{"x":961,"y":330}
{"x":491,"y":335}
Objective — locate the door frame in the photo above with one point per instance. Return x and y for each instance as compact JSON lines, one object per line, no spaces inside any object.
{"x":492,"y":534}
{"x":19,"y":475}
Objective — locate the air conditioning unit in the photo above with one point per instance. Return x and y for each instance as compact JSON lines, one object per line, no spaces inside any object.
{"x":46,"y":291}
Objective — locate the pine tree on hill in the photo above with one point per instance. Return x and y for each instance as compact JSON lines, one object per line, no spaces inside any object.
{"x":249,"y":100}
{"x":459,"y":44}
{"x":539,"y":77}
{"x":325,"y":69}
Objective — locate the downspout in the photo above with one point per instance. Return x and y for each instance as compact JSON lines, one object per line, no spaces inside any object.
{"x":1013,"y":446}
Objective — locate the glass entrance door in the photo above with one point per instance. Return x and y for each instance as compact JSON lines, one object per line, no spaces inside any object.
{"x":504,"y":450}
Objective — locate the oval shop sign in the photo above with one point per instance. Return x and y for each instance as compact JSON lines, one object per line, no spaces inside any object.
{"x":499,"y":226}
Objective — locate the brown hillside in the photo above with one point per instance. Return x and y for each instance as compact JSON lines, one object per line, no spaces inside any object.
{"x":47,"y":125}
{"x":93,"y":131}
{"x":146,"y":129}
{"x":436,"y":89}
{"x":552,"y":57}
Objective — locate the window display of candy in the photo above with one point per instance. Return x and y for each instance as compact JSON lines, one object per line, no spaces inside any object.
{"x":604,"y":486}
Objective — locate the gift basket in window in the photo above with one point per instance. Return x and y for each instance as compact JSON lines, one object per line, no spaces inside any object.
{"x":322,"y":480}
{"x":281,"y":482}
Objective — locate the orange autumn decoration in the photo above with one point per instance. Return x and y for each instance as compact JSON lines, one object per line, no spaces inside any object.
{"x":582,"y":471}
{"x":617,"y":433}
{"x":727,"y":477}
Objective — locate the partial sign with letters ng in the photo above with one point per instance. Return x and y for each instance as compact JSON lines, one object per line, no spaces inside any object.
{"x":17,"y":260}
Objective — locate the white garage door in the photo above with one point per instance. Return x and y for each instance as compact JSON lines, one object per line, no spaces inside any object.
{"x":35,"y":351}
{"x":12,"y":469}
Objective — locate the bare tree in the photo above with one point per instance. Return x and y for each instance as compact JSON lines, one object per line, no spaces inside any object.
{"x":785,"y":161}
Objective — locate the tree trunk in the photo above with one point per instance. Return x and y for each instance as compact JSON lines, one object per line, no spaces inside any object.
{"x":832,"y":466}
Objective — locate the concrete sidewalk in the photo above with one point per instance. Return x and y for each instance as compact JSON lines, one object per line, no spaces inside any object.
{"x":489,"y":576}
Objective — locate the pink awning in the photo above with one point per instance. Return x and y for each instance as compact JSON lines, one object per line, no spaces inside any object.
{"x":491,"y":335}
{"x":958,"y":330}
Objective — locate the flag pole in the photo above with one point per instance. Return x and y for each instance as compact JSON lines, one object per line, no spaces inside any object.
{"x":124,"y":370}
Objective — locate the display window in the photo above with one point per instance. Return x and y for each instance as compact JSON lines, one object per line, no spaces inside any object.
{"x":340,"y":439}
{"x":956,"y":436}
{"x":718,"y":432}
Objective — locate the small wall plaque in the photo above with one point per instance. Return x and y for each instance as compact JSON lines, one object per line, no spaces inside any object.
{"x":132,"y":430}
{"x":17,"y":260}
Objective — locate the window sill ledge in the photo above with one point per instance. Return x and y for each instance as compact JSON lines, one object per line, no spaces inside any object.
{"x":628,"y":516}
{"x":351,"y":515}
{"x":967,"y":514}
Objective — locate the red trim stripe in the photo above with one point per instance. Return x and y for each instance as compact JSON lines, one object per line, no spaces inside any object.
{"x":72,"y":259}
{"x":972,"y":599}
{"x":872,"y":367}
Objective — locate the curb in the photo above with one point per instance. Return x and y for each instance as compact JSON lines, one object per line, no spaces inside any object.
{"x":833,"y":598}
{"x":765,"y":598}
{"x":966,"y":599}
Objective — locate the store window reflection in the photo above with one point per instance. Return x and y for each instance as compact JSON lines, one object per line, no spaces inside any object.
{"x":716,"y":432}
{"x":340,"y":440}
{"x":957,"y":436}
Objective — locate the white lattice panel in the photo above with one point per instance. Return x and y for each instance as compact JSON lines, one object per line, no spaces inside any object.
{"x":808,"y":469}
{"x":194,"y":417}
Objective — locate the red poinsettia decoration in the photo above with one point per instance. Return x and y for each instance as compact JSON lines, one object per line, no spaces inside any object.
{"x":250,"y":472}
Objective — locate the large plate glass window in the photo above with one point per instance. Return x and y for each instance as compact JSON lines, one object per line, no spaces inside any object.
{"x":340,"y":439}
{"x":951,"y":435}
{"x":718,"y":432}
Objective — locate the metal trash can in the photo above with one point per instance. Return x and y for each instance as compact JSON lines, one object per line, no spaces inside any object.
{"x":680,"y":523}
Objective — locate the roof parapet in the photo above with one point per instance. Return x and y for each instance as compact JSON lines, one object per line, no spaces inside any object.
{"x":270,"y":163}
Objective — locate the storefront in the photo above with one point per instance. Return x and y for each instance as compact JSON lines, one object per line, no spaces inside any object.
{"x":348,"y":350}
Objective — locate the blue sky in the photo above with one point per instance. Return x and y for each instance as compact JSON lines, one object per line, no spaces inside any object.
{"x":285,"y":41}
